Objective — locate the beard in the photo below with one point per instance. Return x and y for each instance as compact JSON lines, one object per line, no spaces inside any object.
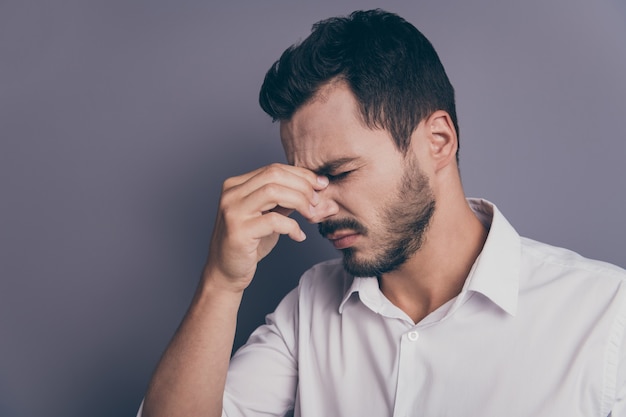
{"x":401,"y":229}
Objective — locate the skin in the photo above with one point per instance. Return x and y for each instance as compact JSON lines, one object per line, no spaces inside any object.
{"x":324,"y":140}
{"x":398,"y":229}
{"x":399,"y":233}
{"x":329,"y":128}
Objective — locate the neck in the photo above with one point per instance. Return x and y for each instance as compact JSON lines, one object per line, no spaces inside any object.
{"x":438,"y":270}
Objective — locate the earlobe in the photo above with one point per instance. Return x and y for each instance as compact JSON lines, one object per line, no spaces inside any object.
{"x":443,"y":139}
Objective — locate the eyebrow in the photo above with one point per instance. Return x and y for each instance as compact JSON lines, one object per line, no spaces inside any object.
{"x":334,"y":165}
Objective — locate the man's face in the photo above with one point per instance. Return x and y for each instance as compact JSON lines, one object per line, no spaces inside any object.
{"x":385,"y":201}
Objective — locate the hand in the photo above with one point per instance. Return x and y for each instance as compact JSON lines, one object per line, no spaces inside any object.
{"x":253,"y":213}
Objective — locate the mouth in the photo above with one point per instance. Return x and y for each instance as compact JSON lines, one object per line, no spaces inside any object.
{"x":342,"y":233}
{"x":343,"y":239}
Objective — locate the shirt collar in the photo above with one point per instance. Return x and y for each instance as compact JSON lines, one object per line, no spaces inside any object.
{"x":495,"y":273}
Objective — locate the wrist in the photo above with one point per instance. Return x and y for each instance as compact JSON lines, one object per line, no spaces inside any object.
{"x":215,"y":285}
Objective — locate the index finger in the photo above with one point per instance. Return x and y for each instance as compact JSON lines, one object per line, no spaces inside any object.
{"x":318,"y":182}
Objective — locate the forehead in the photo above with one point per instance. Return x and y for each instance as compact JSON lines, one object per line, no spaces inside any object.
{"x":329,"y":127}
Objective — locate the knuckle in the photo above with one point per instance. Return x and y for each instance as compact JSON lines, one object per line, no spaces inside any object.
{"x":274,"y":217}
{"x":229,"y":183}
{"x":226,"y":199}
{"x":271,"y":190}
{"x":275,"y":172}
{"x":276,"y":220}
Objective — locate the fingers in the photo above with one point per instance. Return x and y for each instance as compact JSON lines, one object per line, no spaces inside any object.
{"x":253,"y":212}
{"x":276,"y":223}
{"x":278,"y":173}
{"x":276,"y":188}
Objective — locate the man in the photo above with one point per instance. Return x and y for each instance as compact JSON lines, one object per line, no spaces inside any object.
{"x":437,"y":308}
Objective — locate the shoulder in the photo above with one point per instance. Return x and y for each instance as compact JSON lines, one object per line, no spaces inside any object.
{"x":565,"y":274}
{"x":322,"y":270}
{"x":326,"y":276}
{"x":540,"y":254}
{"x":324,"y":284}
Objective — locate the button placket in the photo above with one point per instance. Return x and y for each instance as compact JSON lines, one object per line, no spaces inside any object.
{"x":408,"y":370}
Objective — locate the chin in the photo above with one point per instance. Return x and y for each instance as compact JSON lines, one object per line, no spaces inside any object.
{"x":359,"y":267}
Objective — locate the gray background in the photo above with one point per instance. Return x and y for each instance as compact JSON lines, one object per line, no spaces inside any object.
{"x":120,"y":119}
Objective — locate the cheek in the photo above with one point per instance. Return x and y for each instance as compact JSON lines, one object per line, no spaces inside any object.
{"x":363,"y":201}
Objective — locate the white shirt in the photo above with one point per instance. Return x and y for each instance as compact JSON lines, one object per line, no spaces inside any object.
{"x":536,"y":331}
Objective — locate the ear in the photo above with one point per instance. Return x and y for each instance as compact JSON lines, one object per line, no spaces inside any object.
{"x":443,"y":142}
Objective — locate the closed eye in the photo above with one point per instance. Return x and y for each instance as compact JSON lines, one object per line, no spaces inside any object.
{"x":338,"y":177}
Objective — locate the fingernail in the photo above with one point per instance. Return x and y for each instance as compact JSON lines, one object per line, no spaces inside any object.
{"x":322,"y":180}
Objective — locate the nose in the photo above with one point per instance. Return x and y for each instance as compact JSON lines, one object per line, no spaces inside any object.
{"x":327,"y":206}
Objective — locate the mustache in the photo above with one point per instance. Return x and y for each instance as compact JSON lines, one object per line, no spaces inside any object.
{"x":329,"y":226}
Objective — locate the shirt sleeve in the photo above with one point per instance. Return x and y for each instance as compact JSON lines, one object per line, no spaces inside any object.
{"x":263,"y":374}
{"x":619,"y":349}
{"x":619,"y":407}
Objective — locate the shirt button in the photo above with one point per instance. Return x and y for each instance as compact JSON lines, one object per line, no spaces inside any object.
{"x":413,"y":336}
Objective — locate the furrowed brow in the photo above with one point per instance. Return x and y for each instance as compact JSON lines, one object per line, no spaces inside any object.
{"x":334,"y":165}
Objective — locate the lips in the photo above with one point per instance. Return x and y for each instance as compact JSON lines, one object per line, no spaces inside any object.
{"x":344,"y":239}
{"x":342,"y":233}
